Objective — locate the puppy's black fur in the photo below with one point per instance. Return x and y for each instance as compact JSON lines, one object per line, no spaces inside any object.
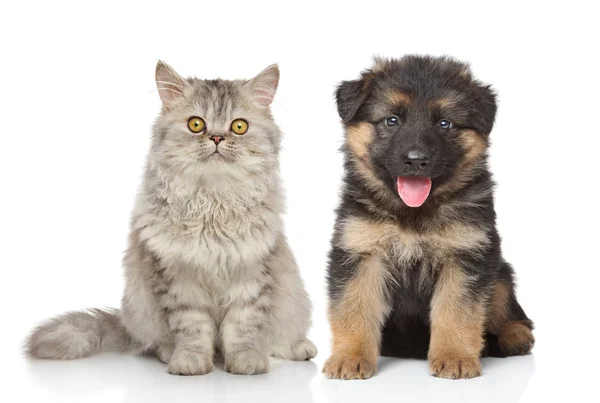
{"x":426,"y":281}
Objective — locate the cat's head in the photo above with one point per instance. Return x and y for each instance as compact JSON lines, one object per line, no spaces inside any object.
{"x":215,"y":127}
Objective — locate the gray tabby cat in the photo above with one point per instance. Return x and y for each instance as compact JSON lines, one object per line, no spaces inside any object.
{"x":208,"y":269}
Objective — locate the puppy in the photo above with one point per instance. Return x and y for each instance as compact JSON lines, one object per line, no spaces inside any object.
{"x":416,"y":268}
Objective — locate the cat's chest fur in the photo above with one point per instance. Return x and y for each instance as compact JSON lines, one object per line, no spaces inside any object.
{"x":215,"y":233}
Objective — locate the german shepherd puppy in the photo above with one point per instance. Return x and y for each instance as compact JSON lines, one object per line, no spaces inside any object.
{"x":416,"y":268}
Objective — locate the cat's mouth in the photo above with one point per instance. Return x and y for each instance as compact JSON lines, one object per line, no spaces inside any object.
{"x":220,"y":155}
{"x":216,"y":155}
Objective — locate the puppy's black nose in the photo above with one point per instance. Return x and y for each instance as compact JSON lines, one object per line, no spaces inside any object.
{"x":416,"y":159}
{"x":216,"y":139}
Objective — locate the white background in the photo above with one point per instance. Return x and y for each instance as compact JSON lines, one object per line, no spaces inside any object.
{"x":77,"y":99}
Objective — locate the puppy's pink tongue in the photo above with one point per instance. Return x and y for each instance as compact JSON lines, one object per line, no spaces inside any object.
{"x":413,"y":190}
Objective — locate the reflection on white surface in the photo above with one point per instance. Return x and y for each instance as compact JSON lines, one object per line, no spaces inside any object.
{"x":114,"y":378}
{"x":503,"y":380}
{"x":144,"y":379}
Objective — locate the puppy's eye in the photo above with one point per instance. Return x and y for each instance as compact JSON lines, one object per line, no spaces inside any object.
{"x":196,"y":124}
{"x":445,"y":124}
{"x":239,"y":126}
{"x":392,"y":121}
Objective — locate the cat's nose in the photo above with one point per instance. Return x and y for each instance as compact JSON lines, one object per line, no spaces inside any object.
{"x":216,"y":139}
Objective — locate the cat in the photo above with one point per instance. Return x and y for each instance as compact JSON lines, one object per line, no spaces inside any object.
{"x":208,"y":270}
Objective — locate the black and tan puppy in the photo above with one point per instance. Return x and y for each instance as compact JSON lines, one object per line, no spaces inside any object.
{"x":416,"y":268}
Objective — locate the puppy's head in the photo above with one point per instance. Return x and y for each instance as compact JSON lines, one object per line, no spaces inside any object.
{"x":416,"y":125}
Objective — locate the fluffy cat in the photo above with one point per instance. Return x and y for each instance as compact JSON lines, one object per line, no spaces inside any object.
{"x":208,"y":269}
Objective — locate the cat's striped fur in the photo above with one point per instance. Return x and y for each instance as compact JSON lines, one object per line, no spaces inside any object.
{"x":208,"y":268}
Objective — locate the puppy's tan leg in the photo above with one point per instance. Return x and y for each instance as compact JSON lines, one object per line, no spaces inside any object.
{"x":497,"y":314}
{"x":356,"y":321}
{"x":457,"y":324}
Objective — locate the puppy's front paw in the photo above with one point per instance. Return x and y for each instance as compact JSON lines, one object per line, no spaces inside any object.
{"x":348,"y":367}
{"x":190,"y":363}
{"x":454,"y":368}
{"x":247,"y":362}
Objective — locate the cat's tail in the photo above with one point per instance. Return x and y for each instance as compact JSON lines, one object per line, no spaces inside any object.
{"x":79,"y":334}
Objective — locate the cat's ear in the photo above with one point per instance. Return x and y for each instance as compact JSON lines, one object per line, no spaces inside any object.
{"x":169,"y":84}
{"x":264,"y":85}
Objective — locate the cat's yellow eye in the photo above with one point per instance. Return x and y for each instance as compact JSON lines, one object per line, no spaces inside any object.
{"x":196,"y":124}
{"x":239,"y":126}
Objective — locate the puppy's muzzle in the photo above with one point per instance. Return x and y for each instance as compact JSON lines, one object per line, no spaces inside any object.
{"x":416,"y":162}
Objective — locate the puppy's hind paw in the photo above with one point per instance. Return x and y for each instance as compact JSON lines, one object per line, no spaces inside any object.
{"x":515,"y":338}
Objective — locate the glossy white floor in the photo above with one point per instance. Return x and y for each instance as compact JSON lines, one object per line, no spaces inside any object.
{"x":78,"y":98}
{"x":122,"y":378}
{"x":132,"y":379}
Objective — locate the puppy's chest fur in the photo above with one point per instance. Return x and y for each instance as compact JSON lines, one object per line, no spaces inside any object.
{"x":413,"y":258}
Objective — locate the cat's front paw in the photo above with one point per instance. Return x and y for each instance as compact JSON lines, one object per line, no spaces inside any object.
{"x":247,"y":362}
{"x":190,"y":363}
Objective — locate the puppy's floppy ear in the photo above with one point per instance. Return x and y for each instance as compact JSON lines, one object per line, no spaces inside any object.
{"x":349,"y":96}
{"x":485,"y":104}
